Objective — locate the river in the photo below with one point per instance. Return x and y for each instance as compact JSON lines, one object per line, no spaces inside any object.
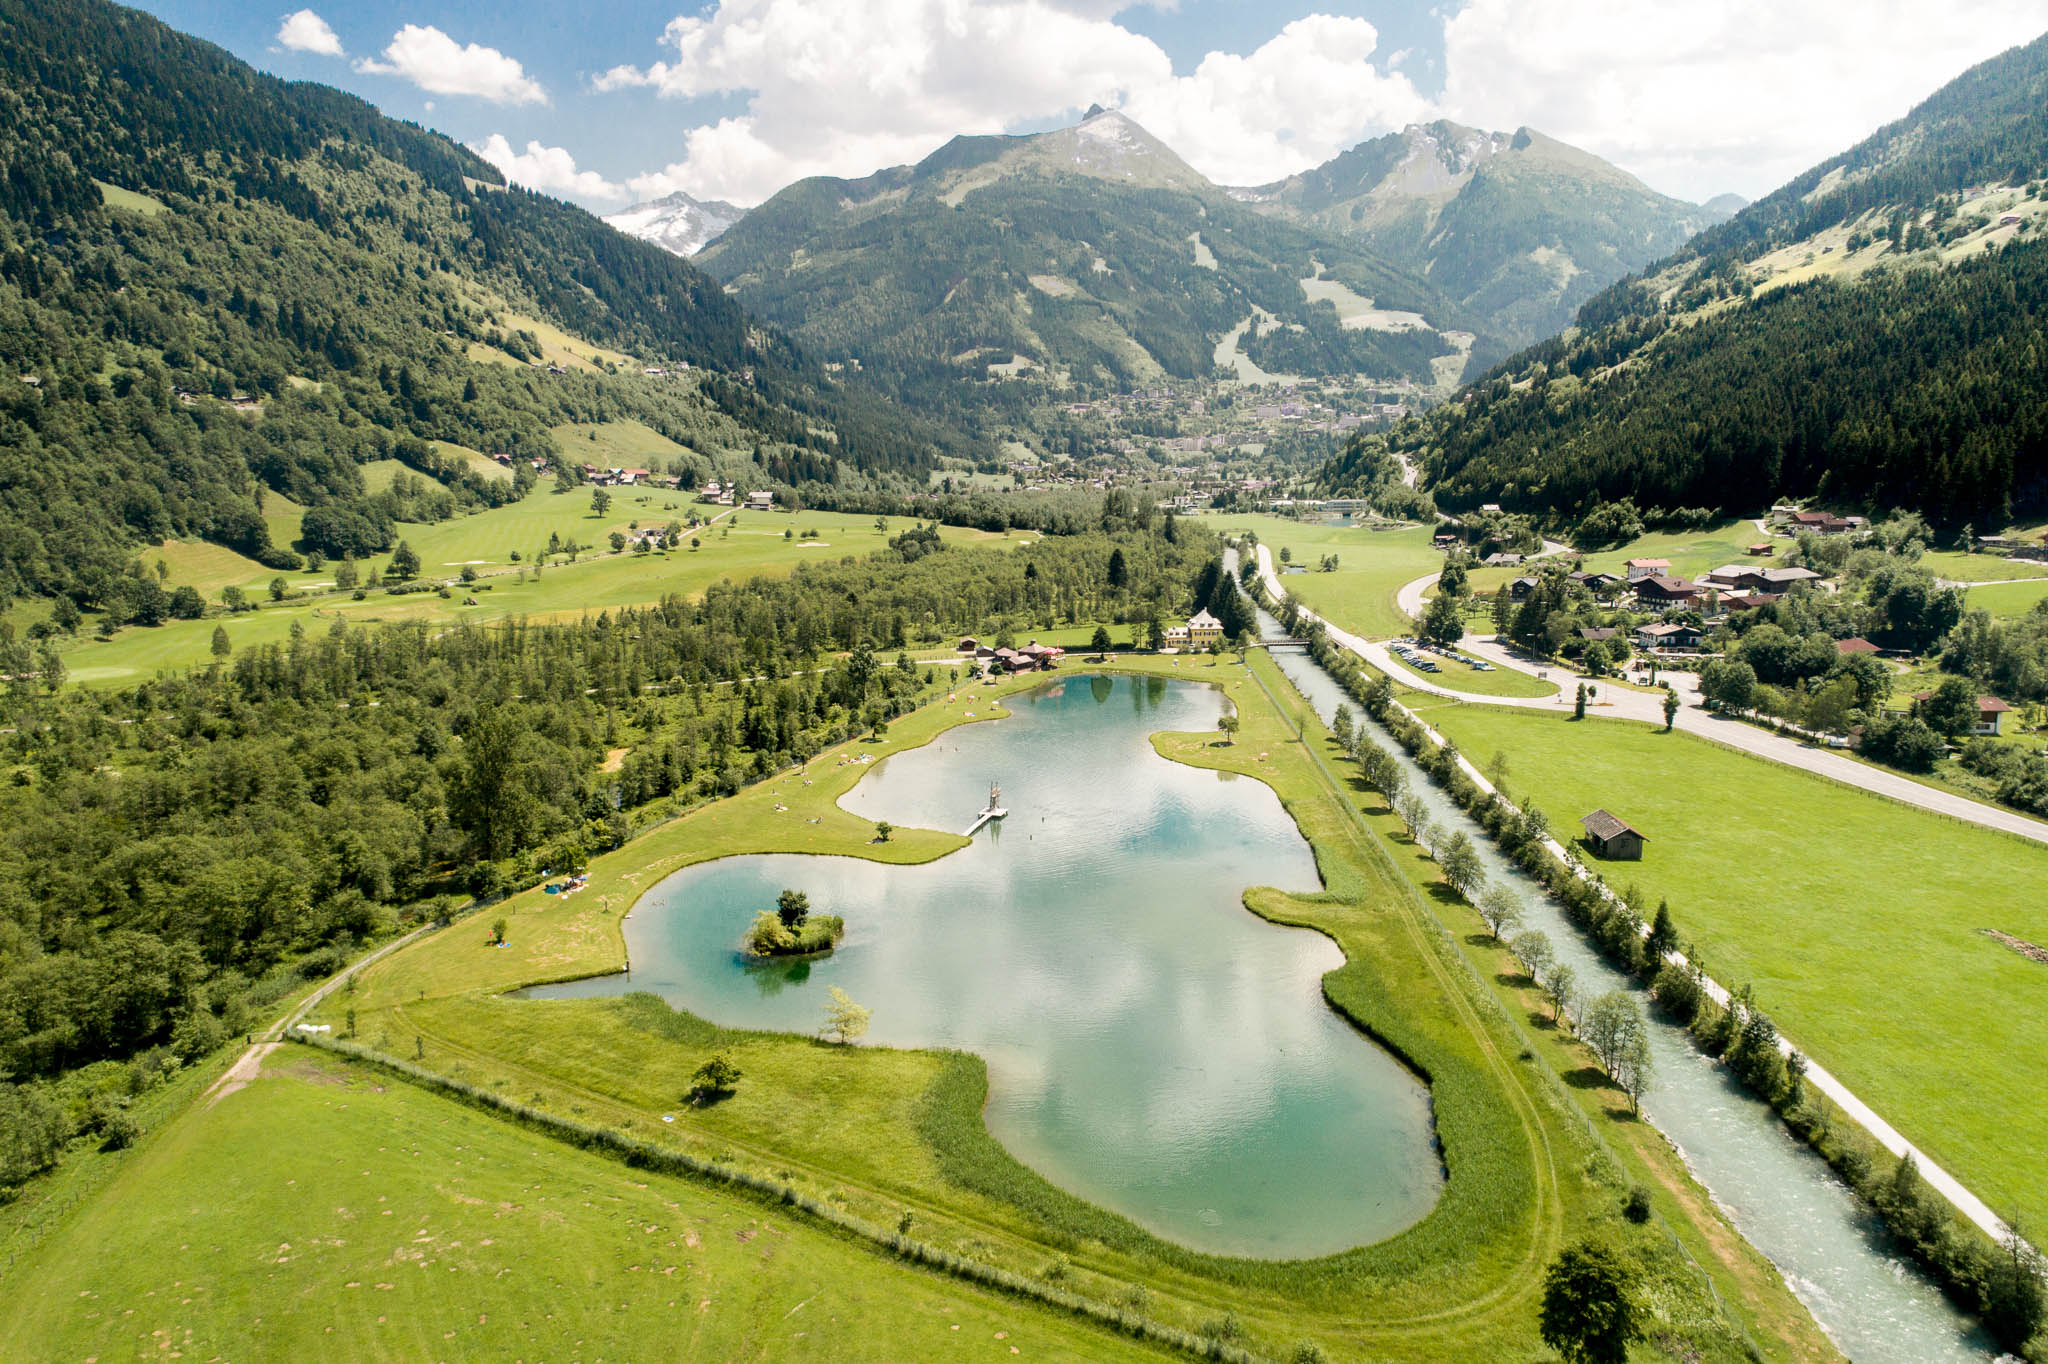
{"x":1833,"y":1252}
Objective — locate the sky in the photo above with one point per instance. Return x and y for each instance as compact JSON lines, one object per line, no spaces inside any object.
{"x":733,"y":99}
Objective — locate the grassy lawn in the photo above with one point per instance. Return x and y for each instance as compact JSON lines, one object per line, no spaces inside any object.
{"x":1859,"y":921}
{"x":1691,"y":552}
{"x":2007,"y":601}
{"x":617,"y":445}
{"x":875,"y":1130}
{"x":1977,"y":568}
{"x":755,"y":547}
{"x":326,"y":1210}
{"x":1372,"y":565}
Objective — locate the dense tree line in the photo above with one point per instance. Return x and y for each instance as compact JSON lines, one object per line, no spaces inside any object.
{"x":1920,"y":384}
{"x":352,"y":278}
{"x":174,"y":855}
{"x":1923,"y":388}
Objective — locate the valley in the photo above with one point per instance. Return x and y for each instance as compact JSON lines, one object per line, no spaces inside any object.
{"x":1088,"y":731}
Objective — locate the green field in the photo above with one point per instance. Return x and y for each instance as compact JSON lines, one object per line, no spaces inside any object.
{"x":1371,"y":567}
{"x":1691,"y":552}
{"x":617,"y":445}
{"x":754,"y":547}
{"x":1981,"y":568}
{"x":329,"y":1211}
{"x":2007,"y":600}
{"x":1858,"y":920}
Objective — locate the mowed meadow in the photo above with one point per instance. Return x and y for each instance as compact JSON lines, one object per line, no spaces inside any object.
{"x":1862,"y":923}
{"x":329,"y":1210}
{"x":738,"y":545}
{"x":1372,"y":566}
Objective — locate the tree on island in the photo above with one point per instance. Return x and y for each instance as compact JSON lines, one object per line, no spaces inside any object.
{"x":792,"y":907}
{"x":845,"y":1021}
{"x":883,"y":828}
{"x":1589,"y":1314}
{"x":716,"y":1079}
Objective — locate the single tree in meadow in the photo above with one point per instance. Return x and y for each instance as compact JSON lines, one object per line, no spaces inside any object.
{"x":845,"y":1021}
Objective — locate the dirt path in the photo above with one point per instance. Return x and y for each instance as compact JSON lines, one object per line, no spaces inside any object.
{"x":243,"y":1071}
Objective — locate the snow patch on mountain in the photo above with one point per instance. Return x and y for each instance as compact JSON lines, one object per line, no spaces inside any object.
{"x":676,"y":222}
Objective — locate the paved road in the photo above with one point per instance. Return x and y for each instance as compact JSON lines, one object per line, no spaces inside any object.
{"x":1622,"y":703}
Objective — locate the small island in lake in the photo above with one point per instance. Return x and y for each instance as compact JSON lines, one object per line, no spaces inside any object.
{"x":791,"y":930}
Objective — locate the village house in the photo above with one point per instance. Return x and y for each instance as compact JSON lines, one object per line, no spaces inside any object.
{"x":1855,"y":644}
{"x":761,"y":500}
{"x":1754,"y":578}
{"x":1638,"y":569}
{"x":1204,"y":630}
{"x":1599,"y":584}
{"x":1991,"y":713}
{"x":1611,"y":838}
{"x":1670,"y":636}
{"x":1520,"y":588}
{"x":1666,"y":593}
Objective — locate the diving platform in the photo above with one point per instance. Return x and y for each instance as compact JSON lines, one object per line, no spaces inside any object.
{"x":994,"y":811}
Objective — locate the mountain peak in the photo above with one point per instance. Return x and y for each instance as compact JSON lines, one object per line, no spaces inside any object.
{"x":676,"y":222}
{"x":1094,"y":111}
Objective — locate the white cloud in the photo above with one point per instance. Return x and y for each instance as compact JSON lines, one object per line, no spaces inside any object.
{"x":844,"y":87}
{"x":1307,"y":94}
{"x":434,"y":61}
{"x":1696,"y":99}
{"x":306,"y":31}
{"x":548,"y":168}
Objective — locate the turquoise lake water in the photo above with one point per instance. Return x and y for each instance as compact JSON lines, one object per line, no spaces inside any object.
{"x":1152,"y":1045}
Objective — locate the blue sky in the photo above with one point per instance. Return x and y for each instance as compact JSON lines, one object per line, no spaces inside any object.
{"x":735,"y":98}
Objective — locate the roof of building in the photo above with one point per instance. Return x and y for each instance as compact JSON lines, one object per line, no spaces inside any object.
{"x":1593,"y":632}
{"x":1668,"y":628}
{"x":1649,"y":563}
{"x":1202,"y":620}
{"x":1676,"y":587}
{"x":1600,"y":824}
{"x":1855,"y":644}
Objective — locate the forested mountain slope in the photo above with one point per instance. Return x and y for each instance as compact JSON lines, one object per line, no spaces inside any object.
{"x":1090,"y":253}
{"x":1517,"y":228}
{"x":1875,"y":333}
{"x":178,"y":230}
